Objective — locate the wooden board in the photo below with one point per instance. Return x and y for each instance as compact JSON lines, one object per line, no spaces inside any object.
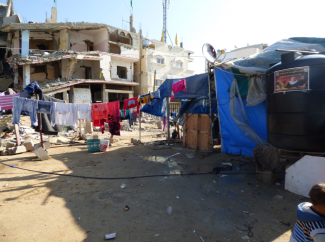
{"x":197,"y":132}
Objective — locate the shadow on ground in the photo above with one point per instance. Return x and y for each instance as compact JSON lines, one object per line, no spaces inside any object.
{"x":204,"y":206}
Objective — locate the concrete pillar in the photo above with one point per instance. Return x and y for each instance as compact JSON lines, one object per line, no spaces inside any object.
{"x":16,"y":80}
{"x":65,"y":96}
{"x":71,"y":94}
{"x":24,"y":42}
{"x":104,"y":94}
{"x":15,"y":44}
{"x":72,"y":65}
{"x":64,"y":39}
{"x":26,"y":75}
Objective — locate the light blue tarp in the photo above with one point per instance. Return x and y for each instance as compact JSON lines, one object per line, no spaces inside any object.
{"x":234,"y":140}
{"x":197,"y":86}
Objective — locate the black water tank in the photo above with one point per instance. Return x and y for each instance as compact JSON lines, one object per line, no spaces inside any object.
{"x":296,"y":104}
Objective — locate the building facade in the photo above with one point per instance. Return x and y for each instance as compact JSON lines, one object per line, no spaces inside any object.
{"x":169,"y":62}
{"x":84,"y":62}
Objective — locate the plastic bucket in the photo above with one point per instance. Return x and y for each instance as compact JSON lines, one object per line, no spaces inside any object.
{"x":93,"y":145}
{"x":104,"y":145}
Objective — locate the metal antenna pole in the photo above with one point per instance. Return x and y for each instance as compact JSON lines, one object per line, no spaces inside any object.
{"x":211,"y":117}
{"x":165,"y":20}
{"x":140,"y":58}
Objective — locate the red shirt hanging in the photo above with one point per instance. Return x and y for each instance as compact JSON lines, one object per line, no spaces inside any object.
{"x":131,"y":103}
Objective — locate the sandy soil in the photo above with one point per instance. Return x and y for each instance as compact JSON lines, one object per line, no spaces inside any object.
{"x":42,"y":207}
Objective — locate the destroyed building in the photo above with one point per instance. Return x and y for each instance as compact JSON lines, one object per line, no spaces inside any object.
{"x":77,"y":62}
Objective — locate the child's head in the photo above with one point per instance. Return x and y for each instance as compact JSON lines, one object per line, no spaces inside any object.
{"x":317,"y":195}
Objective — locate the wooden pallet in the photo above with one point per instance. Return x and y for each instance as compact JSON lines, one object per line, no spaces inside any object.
{"x":297,"y":155}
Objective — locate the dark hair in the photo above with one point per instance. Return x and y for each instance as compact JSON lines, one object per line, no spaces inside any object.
{"x":317,"y":194}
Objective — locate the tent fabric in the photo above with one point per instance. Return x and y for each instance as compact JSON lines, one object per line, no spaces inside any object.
{"x":234,"y":141}
{"x":197,"y":86}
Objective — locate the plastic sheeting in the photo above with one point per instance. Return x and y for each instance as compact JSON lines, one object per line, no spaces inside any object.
{"x":197,"y":86}
{"x":234,"y":141}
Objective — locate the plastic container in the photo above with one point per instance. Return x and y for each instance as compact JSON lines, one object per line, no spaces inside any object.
{"x":104,"y":145}
{"x":295,"y":118}
{"x":93,"y":145}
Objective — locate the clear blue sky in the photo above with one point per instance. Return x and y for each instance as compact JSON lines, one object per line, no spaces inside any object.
{"x":222,"y":23}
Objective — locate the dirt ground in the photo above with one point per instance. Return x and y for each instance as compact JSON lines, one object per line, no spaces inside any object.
{"x":43,"y":207}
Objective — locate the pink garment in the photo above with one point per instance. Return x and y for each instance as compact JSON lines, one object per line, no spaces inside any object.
{"x":164,"y":120}
{"x":177,"y":87}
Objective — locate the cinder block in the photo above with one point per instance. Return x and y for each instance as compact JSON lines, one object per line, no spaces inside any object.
{"x":29,"y":144}
{"x":10,"y":144}
{"x":20,"y":149}
{"x":41,"y":153}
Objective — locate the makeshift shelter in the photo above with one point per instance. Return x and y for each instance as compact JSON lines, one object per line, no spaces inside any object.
{"x":240,"y":88}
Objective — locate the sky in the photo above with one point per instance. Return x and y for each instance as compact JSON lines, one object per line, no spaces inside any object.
{"x":222,"y":23}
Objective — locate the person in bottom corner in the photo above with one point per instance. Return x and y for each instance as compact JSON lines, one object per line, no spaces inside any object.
{"x":310,"y":225}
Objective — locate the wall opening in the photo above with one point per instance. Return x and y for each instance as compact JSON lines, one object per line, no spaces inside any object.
{"x":119,"y":39}
{"x":131,"y":40}
{"x":122,"y":72}
{"x":88,"y":72}
{"x":90,"y":45}
{"x":115,"y":49}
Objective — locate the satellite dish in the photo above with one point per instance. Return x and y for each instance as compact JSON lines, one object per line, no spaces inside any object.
{"x":209,"y":53}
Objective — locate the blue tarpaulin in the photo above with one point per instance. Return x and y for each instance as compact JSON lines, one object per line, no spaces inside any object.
{"x":197,"y":87}
{"x":234,"y":141}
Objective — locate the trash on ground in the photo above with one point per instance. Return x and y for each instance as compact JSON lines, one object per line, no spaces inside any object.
{"x":123,"y":186}
{"x":6,"y":185}
{"x":157,"y":235}
{"x":68,"y":181}
{"x":126,"y":208}
{"x":177,"y":196}
{"x":278,"y":197}
{"x":220,"y":175}
{"x":169,"y":210}
{"x":214,"y":181}
{"x":190,"y":156}
{"x":110,"y":236}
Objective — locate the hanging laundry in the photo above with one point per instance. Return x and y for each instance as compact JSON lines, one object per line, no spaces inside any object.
{"x":83,"y":111}
{"x":114,"y":117}
{"x":27,"y":105}
{"x":44,"y":106}
{"x":131,"y":103}
{"x":102,"y":125}
{"x":177,"y":87}
{"x":63,"y":114}
{"x":164,"y":120}
{"x":146,"y":98}
{"x":98,"y":111}
{"x":155,"y":94}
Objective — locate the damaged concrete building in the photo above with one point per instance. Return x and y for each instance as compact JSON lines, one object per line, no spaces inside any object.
{"x":77,"y":62}
{"x":7,"y":15}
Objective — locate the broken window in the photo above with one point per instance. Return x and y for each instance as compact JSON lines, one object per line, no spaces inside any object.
{"x":122,"y":72}
{"x":122,"y":33}
{"x":40,"y":69}
{"x":160,"y":60}
{"x":179,"y":64}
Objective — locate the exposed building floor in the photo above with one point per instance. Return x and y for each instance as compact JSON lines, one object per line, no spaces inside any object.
{"x":41,"y":207}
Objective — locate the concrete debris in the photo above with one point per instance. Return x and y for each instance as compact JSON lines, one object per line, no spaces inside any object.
{"x":10,"y":144}
{"x":29,"y":144}
{"x":41,"y":154}
{"x":19,"y":149}
{"x":11,"y":151}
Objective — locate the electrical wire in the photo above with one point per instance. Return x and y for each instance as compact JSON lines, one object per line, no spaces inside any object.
{"x":130,"y":177}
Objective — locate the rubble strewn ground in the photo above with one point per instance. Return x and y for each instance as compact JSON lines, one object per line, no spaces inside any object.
{"x":44,"y":207}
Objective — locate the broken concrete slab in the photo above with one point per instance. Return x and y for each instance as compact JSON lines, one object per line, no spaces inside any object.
{"x":19,"y":149}
{"x":10,"y":144}
{"x":306,"y":172}
{"x":41,"y":153}
{"x":46,"y":145}
{"x":4,"y":152}
{"x":11,"y":150}
{"x":29,"y":144}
